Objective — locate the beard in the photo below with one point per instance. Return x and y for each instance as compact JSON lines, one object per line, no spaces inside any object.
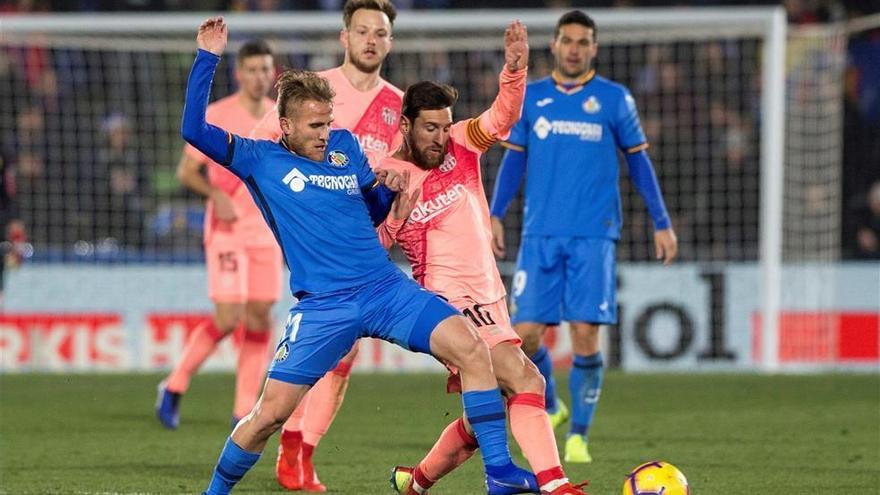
{"x":422,"y":160}
{"x":365,"y":67}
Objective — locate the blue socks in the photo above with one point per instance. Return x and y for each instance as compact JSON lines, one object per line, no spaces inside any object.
{"x":233,"y":464}
{"x":585,"y":384}
{"x":544,"y":363}
{"x":485,"y":412}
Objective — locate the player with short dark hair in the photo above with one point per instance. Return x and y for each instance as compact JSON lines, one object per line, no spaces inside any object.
{"x":573,"y":125}
{"x":446,"y":235}
{"x":346,"y":284}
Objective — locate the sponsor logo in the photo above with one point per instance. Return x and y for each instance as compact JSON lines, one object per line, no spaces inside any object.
{"x":373,"y":144}
{"x":543,"y":103}
{"x":604,"y":306}
{"x":448,"y":163}
{"x":427,"y":210}
{"x":586,"y":131}
{"x":295,"y":180}
{"x":337,"y":158}
{"x":592,"y":105}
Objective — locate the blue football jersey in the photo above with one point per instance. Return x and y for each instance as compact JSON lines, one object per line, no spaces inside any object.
{"x":571,"y":138}
{"x":316,"y":210}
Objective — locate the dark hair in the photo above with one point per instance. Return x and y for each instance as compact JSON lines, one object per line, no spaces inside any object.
{"x":296,"y":86}
{"x":352,"y":6}
{"x":427,"y":95}
{"x":576,"y":17}
{"x":253,"y":48}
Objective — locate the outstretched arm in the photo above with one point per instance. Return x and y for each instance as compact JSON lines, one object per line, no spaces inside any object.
{"x":495,"y":123}
{"x":213,"y":141}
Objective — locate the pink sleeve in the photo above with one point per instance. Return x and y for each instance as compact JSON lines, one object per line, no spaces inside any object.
{"x":388,"y":231}
{"x":499,"y":119}
{"x":268,"y":128}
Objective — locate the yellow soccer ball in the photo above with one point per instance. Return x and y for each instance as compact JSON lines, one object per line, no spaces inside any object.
{"x":656,"y":478}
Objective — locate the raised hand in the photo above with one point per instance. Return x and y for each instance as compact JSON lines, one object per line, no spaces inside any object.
{"x":212,"y":35}
{"x":516,"y":46}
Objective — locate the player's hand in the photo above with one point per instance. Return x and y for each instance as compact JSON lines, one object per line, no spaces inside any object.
{"x":665,"y":245}
{"x":497,"y":237}
{"x":404,"y":204}
{"x":212,"y":35}
{"x":224,"y":210}
{"x":392,"y":179}
{"x":516,"y":46}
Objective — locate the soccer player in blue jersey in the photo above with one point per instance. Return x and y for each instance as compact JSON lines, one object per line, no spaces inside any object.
{"x":319,"y":197}
{"x":572,"y":126}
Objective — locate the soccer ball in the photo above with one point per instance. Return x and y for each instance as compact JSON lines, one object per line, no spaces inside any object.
{"x":656,"y":478}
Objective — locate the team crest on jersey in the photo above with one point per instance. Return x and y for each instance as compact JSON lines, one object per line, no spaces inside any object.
{"x":592,"y":105}
{"x":389,"y":115}
{"x":282,"y":353}
{"x":542,"y":127}
{"x":448,"y":163}
{"x":337,"y":158}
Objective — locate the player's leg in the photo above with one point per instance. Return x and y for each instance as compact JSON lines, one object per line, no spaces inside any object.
{"x":322,"y":404}
{"x":263,"y":271}
{"x":590,"y":301}
{"x":309,"y":423}
{"x":400,"y":311}
{"x":319,"y":332}
{"x":253,"y":356}
{"x":227,"y":289}
{"x":536,"y":299}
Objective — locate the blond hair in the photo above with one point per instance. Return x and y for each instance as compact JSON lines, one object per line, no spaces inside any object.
{"x":297,"y":86}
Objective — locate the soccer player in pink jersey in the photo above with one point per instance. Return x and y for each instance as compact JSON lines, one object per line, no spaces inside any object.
{"x":368,"y":106}
{"x":242,"y":255}
{"x":447,"y":237}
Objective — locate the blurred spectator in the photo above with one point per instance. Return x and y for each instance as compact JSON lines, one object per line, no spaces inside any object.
{"x":116,"y":206}
{"x":868,"y":227}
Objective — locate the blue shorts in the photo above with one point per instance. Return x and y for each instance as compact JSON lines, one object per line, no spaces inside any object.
{"x":565,"y":279}
{"x":321,"y":329}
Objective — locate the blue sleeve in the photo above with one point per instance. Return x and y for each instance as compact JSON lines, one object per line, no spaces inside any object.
{"x":641,"y":172}
{"x":519,"y":134}
{"x":379,"y":200}
{"x":510,"y":174}
{"x":211,"y":140}
{"x":627,"y":128}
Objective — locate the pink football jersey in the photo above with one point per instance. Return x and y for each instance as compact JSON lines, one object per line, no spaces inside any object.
{"x":229,"y":114}
{"x":447,"y":237}
{"x":373,"y":116}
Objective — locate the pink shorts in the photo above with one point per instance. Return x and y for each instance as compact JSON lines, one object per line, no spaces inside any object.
{"x":239,"y":273}
{"x":493,"y":324}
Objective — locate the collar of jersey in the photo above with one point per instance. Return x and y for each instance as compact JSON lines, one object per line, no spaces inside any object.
{"x":579,"y":85}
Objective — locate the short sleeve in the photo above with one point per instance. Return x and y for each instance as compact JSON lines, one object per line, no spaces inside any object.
{"x":245,"y":154}
{"x":627,"y":128}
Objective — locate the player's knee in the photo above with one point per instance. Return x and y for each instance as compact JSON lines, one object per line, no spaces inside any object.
{"x":267,"y":420}
{"x":531,"y":342}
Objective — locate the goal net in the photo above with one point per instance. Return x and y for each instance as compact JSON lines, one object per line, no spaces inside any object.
{"x":91,"y":107}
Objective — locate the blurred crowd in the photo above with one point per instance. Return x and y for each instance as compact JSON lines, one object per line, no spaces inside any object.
{"x":94,"y":157}
{"x":800,"y":11}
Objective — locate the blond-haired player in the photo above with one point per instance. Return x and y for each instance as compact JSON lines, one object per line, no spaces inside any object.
{"x":368,"y":106}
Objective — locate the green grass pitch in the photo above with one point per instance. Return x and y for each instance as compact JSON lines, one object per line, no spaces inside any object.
{"x":730,"y":434}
